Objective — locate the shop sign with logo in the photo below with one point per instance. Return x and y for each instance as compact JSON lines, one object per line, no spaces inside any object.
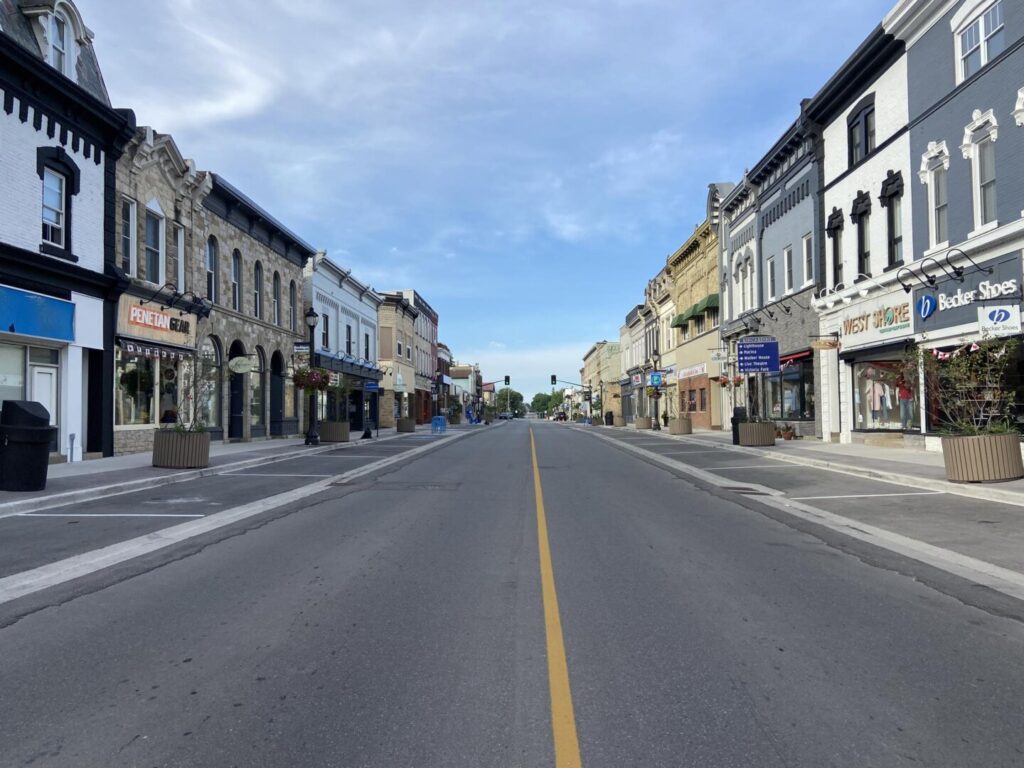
{"x":637,"y":379}
{"x":879,"y":321}
{"x":148,"y":320}
{"x":694,"y":370}
{"x":981,"y":294}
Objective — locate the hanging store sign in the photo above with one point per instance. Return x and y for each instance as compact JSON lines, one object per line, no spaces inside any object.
{"x":999,"y":320}
{"x":952,"y":303}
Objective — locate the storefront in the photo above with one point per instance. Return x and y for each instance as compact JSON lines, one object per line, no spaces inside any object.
{"x":348,"y":398}
{"x":789,"y":394}
{"x":695,"y":397}
{"x":35,"y":355}
{"x":154,"y":371}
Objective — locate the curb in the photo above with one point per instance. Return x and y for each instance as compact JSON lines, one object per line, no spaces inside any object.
{"x":57,"y":500}
{"x":972,"y":491}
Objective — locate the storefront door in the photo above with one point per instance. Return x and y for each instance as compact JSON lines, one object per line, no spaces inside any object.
{"x":44,"y":391}
{"x":237,"y":407}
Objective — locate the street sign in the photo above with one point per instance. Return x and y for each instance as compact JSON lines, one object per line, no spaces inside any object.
{"x":719,"y":356}
{"x":300,"y":347}
{"x":656,"y":379}
{"x":371,"y":386}
{"x":758,"y":354}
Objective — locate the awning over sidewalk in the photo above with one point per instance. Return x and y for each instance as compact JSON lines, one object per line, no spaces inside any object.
{"x":349,"y":365}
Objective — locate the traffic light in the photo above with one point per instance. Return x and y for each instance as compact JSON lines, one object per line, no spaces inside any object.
{"x":508,"y":380}
{"x":554,"y":379}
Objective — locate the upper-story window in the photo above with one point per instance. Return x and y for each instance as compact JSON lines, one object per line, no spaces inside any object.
{"x":348,"y":339}
{"x":257,"y":291}
{"x":979,"y":36}
{"x":325,"y":331}
{"x":861,"y":130}
{"x":53,"y":207}
{"x":276,"y":299}
{"x":366,"y":346}
{"x":212,"y":282}
{"x":769,"y":267}
{"x":59,"y":42}
{"x":861,"y":217}
{"x":292,"y":317}
{"x":979,"y":146}
{"x":808,"y":246}
{"x":236,"y":280}
{"x":787,"y":260}
{"x":891,"y":198}
{"x":934,"y":174}
{"x":154,"y":247}
{"x":834,"y":230}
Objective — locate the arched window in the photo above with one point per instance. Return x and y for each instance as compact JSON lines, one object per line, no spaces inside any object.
{"x":257,"y":291}
{"x":276,"y":299}
{"x":209,"y":382}
{"x":292,"y":316}
{"x":236,"y":281}
{"x":60,"y":39}
{"x":211,"y":269}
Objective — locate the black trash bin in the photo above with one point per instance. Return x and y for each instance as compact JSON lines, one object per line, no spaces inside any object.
{"x":738,"y":415}
{"x":25,"y":437}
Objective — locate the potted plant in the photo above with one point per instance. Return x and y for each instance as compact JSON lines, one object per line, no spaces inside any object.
{"x":788,"y":431}
{"x":972,"y":401}
{"x":336,"y":430}
{"x":182,"y":441}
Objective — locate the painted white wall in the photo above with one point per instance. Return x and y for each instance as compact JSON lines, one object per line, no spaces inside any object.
{"x":21,"y":201}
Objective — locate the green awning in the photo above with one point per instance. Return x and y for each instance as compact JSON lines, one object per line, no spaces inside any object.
{"x":710,"y":302}
{"x":681,"y":320}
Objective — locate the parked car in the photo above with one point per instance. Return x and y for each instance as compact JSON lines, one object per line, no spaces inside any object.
{"x":505,"y":416}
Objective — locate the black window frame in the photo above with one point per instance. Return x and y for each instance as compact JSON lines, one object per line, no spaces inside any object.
{"x":860,"y":216}
{"x":862,"y":125}
{"x":892,"y":190}
{"x":57,"y":160}
{"x":834,"y":232}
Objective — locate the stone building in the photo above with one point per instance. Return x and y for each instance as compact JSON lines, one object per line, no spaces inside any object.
{"x":397,"y":324}
{"x":694,"y":271}
{"x":59,"y":284}
{"x":249,"y":267}
{"x":158,"y":192}
{"x":424,"y":357}
{"x":600,"y":374}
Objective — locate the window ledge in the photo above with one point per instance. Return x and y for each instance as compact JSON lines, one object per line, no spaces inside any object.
{"x":58,"y":253}
{"x":936,"y":249}
{"x":983,"y":229}
{"x":894,"y":265}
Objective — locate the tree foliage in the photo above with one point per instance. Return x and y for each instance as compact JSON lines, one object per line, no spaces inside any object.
{"x":507,"y":399}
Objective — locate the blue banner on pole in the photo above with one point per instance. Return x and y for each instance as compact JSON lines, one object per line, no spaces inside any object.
{"x":758,"y":355}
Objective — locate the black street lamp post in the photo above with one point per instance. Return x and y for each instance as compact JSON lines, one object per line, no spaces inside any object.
{"x":312,"y":435}
{"x":656,"y":359}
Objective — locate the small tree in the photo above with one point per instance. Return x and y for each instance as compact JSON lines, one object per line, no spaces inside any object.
{"x":966,"y":386}
{"x":198,"y":382}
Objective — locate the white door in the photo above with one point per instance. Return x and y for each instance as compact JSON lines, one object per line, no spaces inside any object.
{"x":44,"y":390}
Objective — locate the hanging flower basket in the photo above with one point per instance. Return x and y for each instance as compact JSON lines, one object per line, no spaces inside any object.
{"x":311,"y":379}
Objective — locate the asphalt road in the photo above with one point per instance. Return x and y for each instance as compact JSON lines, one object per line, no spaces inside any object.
{"x":400,"y":621}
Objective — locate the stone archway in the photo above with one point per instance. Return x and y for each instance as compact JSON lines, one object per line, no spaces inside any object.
{"x":236,"y":399}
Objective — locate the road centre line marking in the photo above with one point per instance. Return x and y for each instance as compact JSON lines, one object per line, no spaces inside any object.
{"x":44,"y":514}
{"x":28,"y":582}
{"x":869,"y":495}
{"x":563,"y":720}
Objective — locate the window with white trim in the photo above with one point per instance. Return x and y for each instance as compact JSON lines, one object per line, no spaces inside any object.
{"x":787,"y":261}
{"x":154,"y":248}
{"x":53,"y":207}
{"x":770,"y":269}
{"x":128,"y":258}
{"x":979,"y":36}
{"x":59,"y":40}
{"x":212,"y":283}
{"x":698,"y":323}
{"x":179,"y":253}
{"x":979,"y":148}
{"x":934,"y":174}
{"x":276,"y":299}
{"x":257,"y":291}
{"x":808,"y":249}
{"x":236,"y":281}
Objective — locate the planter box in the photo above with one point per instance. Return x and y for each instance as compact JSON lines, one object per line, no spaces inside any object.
{"x":334,"y":432}
{"x":644,"y":422}
{"x":680,"y":426}
{"x":181,"y":450}
{"x":406,"y":425}
{"x":618,"y":421}
{"x":757,"y":433}
{"x":982,"y":458}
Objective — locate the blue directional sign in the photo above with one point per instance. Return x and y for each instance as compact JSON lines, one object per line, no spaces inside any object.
{"x":758,"y":354}
{"x":371,"y":386}
{"x":656,"y":379}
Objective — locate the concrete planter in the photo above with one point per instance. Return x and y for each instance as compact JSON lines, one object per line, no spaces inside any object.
{"x":618,"y":421}
{"x":181,"y":450}
{"x":982,"y":458}
{"x":681,"y":426}
{"x":406,"y":425}
{"x":644,"y":422}
{"x":334,"y":432}
{"x":757,"y":433}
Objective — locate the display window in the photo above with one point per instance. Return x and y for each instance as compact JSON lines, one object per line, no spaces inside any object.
{"x":789,"y":394}
{"x":885,"y":396}
{"x":149,"y":387}
{"x":12,"y":372}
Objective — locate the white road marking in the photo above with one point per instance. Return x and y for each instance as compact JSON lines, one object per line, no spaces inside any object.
{"x":45,"y":576}
{"x":753,"y":466}
{"x":243,"y":473}
{"x":868,"y":495}
{"x":351,"y":456}
{"x":44,"y":514}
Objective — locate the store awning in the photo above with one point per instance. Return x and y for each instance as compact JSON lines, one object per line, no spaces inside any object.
{"x":795,"y":356}
{"x":709,"y":302}
{"x":681,"y":320}
{"x":349,"y":365}
{"x":134,"y":348}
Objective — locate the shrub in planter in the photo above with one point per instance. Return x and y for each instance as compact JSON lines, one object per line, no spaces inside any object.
{"x":973,"y":401}
{"x":185,"y":443}
{"x":680,"y":426}
{"x":336,"y":430}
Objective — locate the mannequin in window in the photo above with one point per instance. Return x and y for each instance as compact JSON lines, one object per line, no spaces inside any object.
{"x":906,"y":397}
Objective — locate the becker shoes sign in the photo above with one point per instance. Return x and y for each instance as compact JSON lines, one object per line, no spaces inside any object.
{"x":971,"y":302}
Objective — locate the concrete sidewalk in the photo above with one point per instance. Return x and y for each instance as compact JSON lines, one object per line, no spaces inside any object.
{"x":81,"y":481}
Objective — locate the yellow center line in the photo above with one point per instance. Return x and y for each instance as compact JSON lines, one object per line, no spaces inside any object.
{"x":563,"y":721}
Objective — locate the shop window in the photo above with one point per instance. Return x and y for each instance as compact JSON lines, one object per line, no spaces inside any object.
{"x":257,"y":389}
{"x":703,"y":400}
{"x":136,"y":403}
{"x":692,"y":401}
{"x":210,"y":359}
{"x":789,"y":394}
{"x":12,"y":372}
{"x":885,"y":396}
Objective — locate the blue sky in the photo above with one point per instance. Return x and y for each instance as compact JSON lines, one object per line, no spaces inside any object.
{"x":526,"y":165}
